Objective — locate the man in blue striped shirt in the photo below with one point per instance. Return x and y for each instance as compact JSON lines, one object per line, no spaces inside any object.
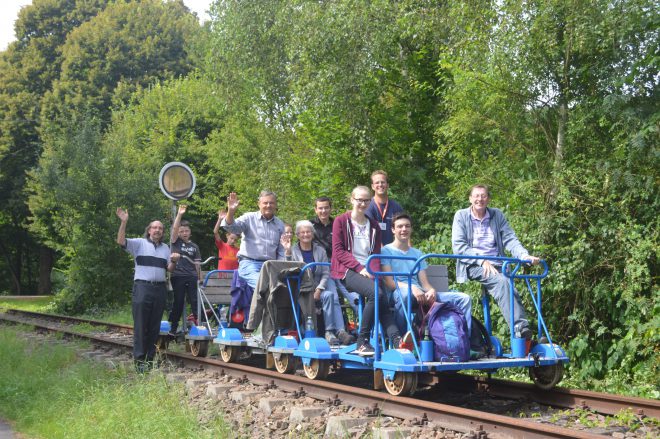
{"x":480,"y":230}
{"x":260,"y":234}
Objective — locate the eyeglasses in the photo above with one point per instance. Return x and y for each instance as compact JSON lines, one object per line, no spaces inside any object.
{"x":361,"y":200}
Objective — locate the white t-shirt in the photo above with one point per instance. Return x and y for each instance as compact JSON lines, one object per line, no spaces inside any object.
{"x":361,"y":241}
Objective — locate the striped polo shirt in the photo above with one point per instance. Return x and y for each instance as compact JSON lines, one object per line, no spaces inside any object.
{"x":483,"y":238}
{"x":150,"y":259}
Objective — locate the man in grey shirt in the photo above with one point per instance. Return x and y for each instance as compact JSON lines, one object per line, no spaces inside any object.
{"x":480,"y":230}
{"x":260,"y":235}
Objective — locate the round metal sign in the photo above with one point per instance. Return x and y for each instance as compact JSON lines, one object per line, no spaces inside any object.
{"x":177,"y":181}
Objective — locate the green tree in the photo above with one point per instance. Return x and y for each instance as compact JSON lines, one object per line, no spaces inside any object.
{"x":554,"y":104}
{"x":126,"y":47}
{"x":27,"y":70}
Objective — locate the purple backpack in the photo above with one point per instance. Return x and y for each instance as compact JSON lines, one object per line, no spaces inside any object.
{"x":448,"y":330}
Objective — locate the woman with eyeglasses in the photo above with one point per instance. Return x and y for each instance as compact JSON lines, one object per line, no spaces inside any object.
{"x":354,"y":238}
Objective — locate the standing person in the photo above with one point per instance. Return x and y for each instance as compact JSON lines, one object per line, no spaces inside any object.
{"x":152,"y":259}
{"x":187,"y":272}
{"x":227,"y":251}
{"x":323,"y":236}
{"x":308,"y":251}
{"x":480,"y":230}
{"x":354,"y":238}
{"x":323,"y":224}
{"x":423,"y":292}
{"x":382,"y":208}
{"x":260,"y":235}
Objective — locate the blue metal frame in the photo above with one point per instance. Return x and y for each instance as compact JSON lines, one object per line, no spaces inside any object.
{"x":540,"y":355}
{"x":399,"y":360}
{"x":317,"y":347}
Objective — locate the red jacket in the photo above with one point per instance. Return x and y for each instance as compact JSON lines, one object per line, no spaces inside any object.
{"x":342,"y":246}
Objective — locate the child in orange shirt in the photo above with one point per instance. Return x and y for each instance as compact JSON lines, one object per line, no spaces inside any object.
{"x":226,"y":250}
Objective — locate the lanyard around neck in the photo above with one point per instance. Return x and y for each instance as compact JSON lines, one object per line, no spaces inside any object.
{"x":384,"y":211}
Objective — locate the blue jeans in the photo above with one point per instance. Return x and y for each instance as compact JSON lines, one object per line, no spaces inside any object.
{"x":249,"y":270}
{"x":351,"y":297}
{"x":497,"y":286}
{"x":460,"y":300}
{"x":334,"y":320}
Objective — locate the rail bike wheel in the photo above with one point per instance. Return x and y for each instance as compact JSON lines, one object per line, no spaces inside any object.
{"x":286,"y":363}
{"x":229,"y":354}
{"x":199,"y":348}
{"x":547,"y":377}
{"x":403,"y":384}
{"x":317,"y":369}
{"x":162,"y":343}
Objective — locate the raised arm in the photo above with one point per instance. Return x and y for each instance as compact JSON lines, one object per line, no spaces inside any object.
{"x":121,"y":233}
{"x":232,"y":204}
{"x":216,"y":228}
{"x":177,"y":222}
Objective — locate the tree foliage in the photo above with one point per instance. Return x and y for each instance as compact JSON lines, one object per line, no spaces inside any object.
{"x":553,"y":103}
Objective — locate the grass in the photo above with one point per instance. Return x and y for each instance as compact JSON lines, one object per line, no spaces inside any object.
{"x":33,"y":303}
{"x":47,"y":391}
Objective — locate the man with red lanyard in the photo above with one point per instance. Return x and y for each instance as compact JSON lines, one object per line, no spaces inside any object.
{"x":382,"y":208}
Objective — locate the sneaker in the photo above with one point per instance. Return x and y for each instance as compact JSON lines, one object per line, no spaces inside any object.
{"x":543,"y":340}
{"x":331,"y":339}
{"x":365,"y":349}
{"x":345,"y":338}
{"x":396,"y":342}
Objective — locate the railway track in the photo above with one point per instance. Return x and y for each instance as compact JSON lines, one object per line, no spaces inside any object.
{"x":479,"y":423}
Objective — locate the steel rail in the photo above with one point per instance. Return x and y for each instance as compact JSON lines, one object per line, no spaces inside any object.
{"x":125,"y":329}
{"x":455,"y":418}
{"x":605,"y":403}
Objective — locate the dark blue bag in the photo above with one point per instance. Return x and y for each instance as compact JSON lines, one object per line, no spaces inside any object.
{"x":448,"y":330}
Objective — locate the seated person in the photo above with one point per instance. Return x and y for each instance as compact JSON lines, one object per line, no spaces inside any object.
{"x":227,"y":251}
{"x":306,"y":251}
{"x":423,"y":293}
{"x":260,"y":235}
{"x":354,"y":238}
{"x":480,"y":230}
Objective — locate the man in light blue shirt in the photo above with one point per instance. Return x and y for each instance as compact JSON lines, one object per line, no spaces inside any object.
{"x":423,"y":292}
{"x":260,"y":235}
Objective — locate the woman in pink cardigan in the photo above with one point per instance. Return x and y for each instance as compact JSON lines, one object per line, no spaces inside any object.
{"x":354,"y":238}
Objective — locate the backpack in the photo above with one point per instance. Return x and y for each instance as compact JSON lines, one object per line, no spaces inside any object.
{"x":480,"y":344}
{"x":448,"y":330}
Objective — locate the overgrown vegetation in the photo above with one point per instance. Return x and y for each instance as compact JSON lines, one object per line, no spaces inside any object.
{"x":46,"y":391}
{"x":553,"y":103}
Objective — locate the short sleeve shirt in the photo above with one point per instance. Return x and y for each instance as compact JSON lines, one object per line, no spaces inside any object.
{"x":150,"y":259}
{"x":191,"y":252}
{"x":383,"y":214}
{"x":403,"y":265}
{"x":227,"y":255}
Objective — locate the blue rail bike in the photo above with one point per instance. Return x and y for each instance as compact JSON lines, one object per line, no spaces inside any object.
{"x":200,"y":335}
{"x":400,"y":367}
{"x":317,"y":355}
{"x":234,"y":344}
{"x":295,"y":344}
